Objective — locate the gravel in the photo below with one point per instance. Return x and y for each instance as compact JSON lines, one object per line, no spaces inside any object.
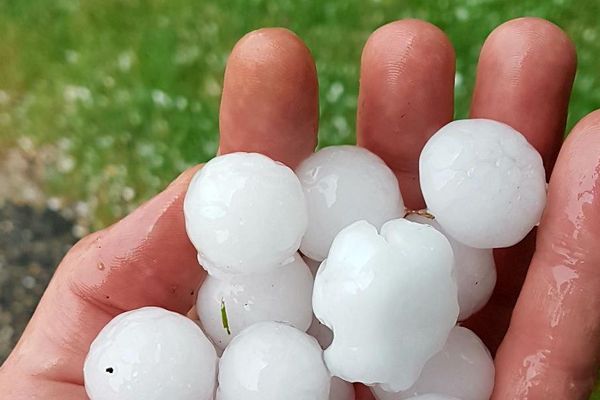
{"x":32,"y":243}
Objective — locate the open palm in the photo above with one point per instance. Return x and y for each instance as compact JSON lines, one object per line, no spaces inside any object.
{"x":270,"y":105}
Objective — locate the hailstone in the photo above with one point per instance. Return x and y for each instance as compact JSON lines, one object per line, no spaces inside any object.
{"x":463,"y":369}
{"x":341,"y":390}
{"x":342,"y":185}
{"x":474,"y":269}
{"x":390,"y":299}
{"x":150,"y":354}
{"x":245,"y":213}
{"x":273,"y":361}
{"x":226,"y":307}
{"x":484,"y":182}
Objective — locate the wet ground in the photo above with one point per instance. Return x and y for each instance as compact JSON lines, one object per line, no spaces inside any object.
{"x":32,"y":243}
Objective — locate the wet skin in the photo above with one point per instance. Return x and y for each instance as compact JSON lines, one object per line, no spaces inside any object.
{"x":543,"y":322}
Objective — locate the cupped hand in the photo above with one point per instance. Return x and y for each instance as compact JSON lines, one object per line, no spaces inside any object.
{"x":548,"y":350}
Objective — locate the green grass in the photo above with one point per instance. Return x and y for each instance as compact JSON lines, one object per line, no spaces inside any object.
{"x":128,"y":91}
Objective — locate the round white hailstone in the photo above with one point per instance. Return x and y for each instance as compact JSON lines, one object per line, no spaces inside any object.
{"x":151,"y":354}
{"x":342,"y":185}
{"x":341,"y":390}
{"x":463,"y":369}
{"x":283,"y":295}
{"x":390,"y":299}
{"x":273,"y":361}
{"x":245,"y":213}
{"x":474,"y":270}
{"x":484,"y":182}
{"x":320,"y":332}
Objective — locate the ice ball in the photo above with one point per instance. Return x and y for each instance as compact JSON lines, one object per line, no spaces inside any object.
{"x":226,"y":307}
{"x":484,"y":182}
{"x":463,"y":369}
{"x":150,"y":354}
{"x":245,"y":213}
{"x":390,"y":299}
{"x":342,"y":185}
{"x":273,"y":361}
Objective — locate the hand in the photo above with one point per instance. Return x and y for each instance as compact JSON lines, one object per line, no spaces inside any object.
{"x":270,"y":105}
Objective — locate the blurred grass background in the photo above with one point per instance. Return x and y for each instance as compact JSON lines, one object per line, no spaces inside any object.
{"x":124,"y":94}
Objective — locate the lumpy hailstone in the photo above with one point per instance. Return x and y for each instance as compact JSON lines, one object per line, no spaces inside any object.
{"x":342,"y":185}
{"x":484,"y":182}
{"x":390,"y":299}
{"x":150,"y":354}
{"x":463,"y":369}
{"x":474,"y":269}
{"x":273,"y":361}
{"x":284,"y":295}
{"x":245,"y":213}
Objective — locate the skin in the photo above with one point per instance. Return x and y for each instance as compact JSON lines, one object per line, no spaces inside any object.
{"x":543,"y":322}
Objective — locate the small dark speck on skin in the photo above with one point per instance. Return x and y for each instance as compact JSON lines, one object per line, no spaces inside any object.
{"x":110,"y":370}
{"x":192,"y":293}
{"x":173,"y":289}
{"x":477,"y":283}
{"x":107,"y":297}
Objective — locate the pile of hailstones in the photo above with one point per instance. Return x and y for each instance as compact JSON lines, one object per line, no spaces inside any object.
{"x":386,"y":286}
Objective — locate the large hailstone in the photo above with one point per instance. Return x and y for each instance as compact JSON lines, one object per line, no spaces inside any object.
{"x":226,"y":307}
{"x":150,"y":354}
{"x":484,"y":182}
{"x":245,"y":213}
{"x":390,"y":299}
{"x":273,"y":361}
{"x":463,"y":369}
{"x":342,"y":185}
{"x":474,"y":270}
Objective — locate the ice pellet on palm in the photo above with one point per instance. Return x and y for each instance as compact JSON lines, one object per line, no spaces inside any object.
{"x":284,"y":295}
{"x":273,"y":361}
{"x":484,"y":182}
{"x":245,"y":213}
{"x":463,"y":369}
{"x":474,"y":270}
{"x":342,"y":185}
{"x":150,"y":353}
{"x":390,"y":299}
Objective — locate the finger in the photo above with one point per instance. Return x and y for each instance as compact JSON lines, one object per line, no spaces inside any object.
{"x":270,"y":97}
{"x":552,"y":346}
{"x":145,"y":259}
{"x":406,"y":94}
{"x":362,"y":392}
{"x":524,"y":78}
